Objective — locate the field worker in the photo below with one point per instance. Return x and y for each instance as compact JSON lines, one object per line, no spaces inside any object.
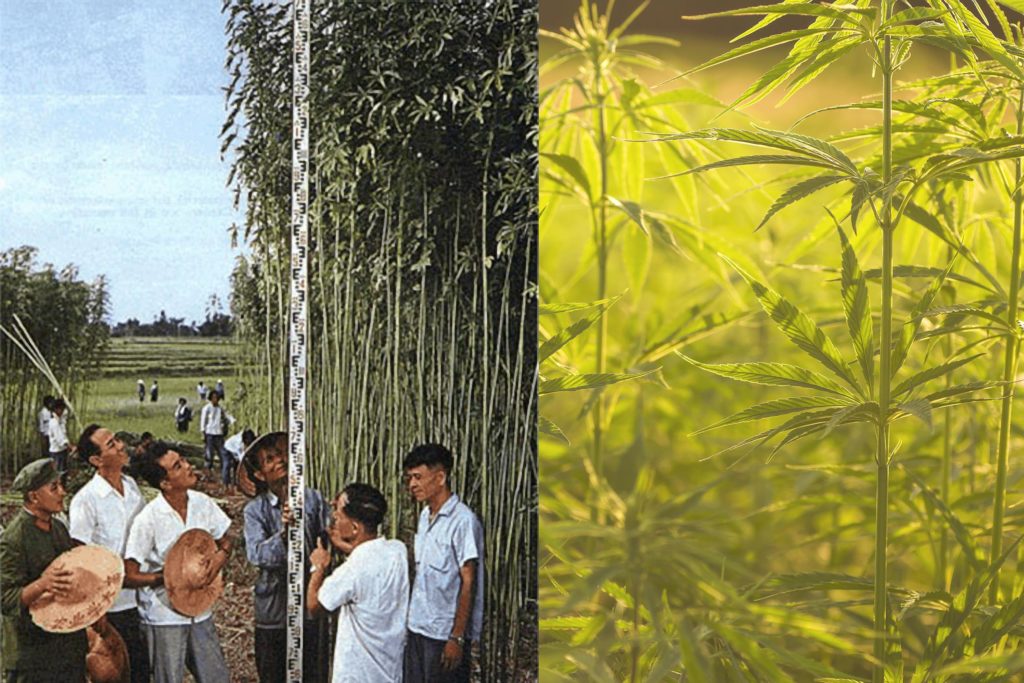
{"x":446,"y":608}
{"x":102,"y":513}
{"x":154,"y":392}
{"x":175,"y":641}
{"x":58,"y":436}
{"x":44,"y":423}
{"x":141,"y":387}
{"x":202,"y":390}
{"x":28,"y":545}
{"x":235,"y":448}
{"x":220,"y":389}
{"x":267,"y":519}
{"x":370,"y":590}
{"x":213,"y":423}
{"x":182,"y":415}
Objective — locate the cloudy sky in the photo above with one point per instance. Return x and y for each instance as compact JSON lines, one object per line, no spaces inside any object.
{"x":109,"y":154}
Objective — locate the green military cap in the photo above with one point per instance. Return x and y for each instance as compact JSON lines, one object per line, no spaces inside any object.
{"x":35,"y":474}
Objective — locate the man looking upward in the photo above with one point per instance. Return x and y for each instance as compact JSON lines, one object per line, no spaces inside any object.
{"x":102,"y":513}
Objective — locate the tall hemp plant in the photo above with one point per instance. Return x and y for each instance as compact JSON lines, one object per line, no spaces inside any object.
{"x":889,"y":192}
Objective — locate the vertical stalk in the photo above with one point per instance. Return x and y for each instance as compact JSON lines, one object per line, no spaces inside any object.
{"x":885,"y":357}
{"x":1009,"y":368}
{"x":602,"y":256}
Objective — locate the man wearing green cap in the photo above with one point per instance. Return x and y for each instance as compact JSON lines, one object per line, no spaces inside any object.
{"x":27,"y":548}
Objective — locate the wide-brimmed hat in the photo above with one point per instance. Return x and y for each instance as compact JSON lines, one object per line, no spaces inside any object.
{"x":249,"y":455}
{"x":98,"y":575}
{"x":245,"y":483}
{"x":184,"y":571}
{"x":107,"y":659}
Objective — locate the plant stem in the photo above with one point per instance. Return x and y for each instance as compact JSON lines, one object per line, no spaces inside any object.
{"x":602,"y":257}
{"x":1009,"y":369}
{"x":885,"y":357}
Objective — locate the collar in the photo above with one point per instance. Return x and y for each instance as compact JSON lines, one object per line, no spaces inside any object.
{"x":104,"y":487}
{"x":446,"y":507}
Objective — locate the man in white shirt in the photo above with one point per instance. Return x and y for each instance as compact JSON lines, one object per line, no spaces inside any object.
{"x":446,"y":608}
{"x":44,"y":423}
{"x":370,"y":590}
{"x":175,"y":640}
{"x":213,"y":421}
{"x":235,"y":448}
{"x":102,"y":513}
{"x":57,"y":432}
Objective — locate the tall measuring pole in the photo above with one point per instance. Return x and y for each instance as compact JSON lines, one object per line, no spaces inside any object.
{"x":297,"y":334}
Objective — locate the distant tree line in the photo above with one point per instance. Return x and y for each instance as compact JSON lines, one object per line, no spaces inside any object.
{"x":216,"y":324}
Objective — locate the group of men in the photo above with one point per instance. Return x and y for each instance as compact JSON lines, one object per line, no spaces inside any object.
{"x":385,"y":631}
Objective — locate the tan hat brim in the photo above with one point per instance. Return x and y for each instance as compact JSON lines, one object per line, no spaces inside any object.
{"x":107,"y":659}
{"x":186,"y":562}
{"x":98,"y":577}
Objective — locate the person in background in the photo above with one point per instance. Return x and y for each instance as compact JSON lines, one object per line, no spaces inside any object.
{"x":102,"y":513}
{"x":213,"y":423}
{"x":446,"y":608}
{"x":58,"y":436}
{"x":43,"y":423}
{"x":176,"y":641}
{"x":235,"y":448}
{"x":370,"y":590}
{"x":28,"y":546}
{"x":182,"y":415}
{"x":267,"y":519}
{"x":141,"y":388}
{"x":154,"y":392}
{"x":220,"y":390}
{"x":202,"y":390}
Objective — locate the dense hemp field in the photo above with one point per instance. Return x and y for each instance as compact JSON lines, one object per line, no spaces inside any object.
{"x":422,"y":262}
{"x":779,"y":336}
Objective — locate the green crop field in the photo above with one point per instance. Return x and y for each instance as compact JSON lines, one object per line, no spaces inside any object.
{"x":178,"y":365}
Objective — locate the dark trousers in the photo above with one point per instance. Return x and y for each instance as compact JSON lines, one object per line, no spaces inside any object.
{"x":272,"y":652}
{"x":423,"y":661}
{"x":127,"y":624}
{"x":60,"y":460}
{"x":214,"y":444}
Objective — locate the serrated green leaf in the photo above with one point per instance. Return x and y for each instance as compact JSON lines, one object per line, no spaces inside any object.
{"x":632,"y":210}
{"x":782,"y":406}
{"x":800,"y":329}
{"x":921,"y":408}
{"x":775,"y":374}
{"x":931,"y":373}
{"x":546,"y":426}
{"x":572,"y":167}
{"x":857,"y":309}
{"x":804,"y":188}
{"x":574,"y":330}
{"x":906,"y":335}
{"x":587,"y":381}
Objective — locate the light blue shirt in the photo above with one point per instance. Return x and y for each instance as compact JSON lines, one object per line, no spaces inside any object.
{"x":442,"y":547}
{"x":267,"y":548}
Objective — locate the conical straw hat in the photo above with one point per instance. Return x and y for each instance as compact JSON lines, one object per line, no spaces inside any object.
{"x":98,"y":575}
{"x":107,"y":659}
{"x":184,"y":570}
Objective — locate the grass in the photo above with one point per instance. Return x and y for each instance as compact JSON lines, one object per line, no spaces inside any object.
{"x":178,"y":365}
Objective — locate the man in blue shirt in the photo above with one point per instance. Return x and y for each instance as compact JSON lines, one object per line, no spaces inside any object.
{"x":446,"y":607}
{"x":267,"y":519}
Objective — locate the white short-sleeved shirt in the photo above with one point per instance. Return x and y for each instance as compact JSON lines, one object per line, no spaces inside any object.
{"x":443,"y":546}
{"x":153,"y":534}
{"x":58,"y":434}
{"x":44,"y":421}
{"x":102,"y":516}
{"x":371,"y":592}
{"x":235,"y":446}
